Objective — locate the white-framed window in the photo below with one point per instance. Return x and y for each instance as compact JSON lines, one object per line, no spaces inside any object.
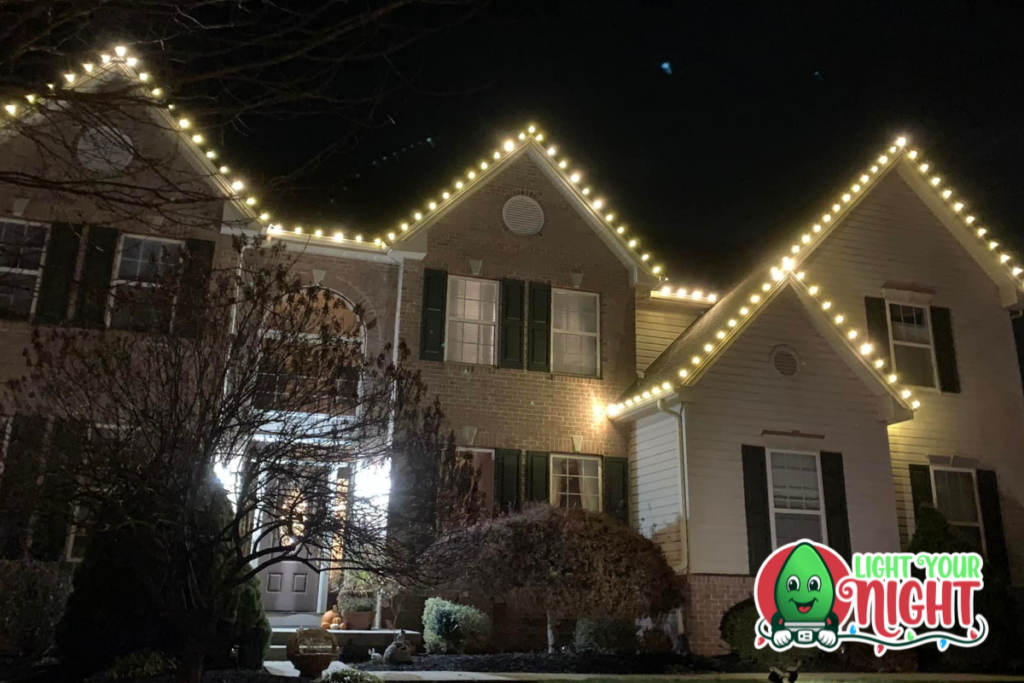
{"x":22,"y":256}
{"x":794,"y":494}
{"x":913,"y":351}
{"x":472,"y":320}
{"x":575,"y":332}
{"x":576,"y":482}
{"x":955,"y":491}
{"x":483,"y":461}
{"x":143,"y":264}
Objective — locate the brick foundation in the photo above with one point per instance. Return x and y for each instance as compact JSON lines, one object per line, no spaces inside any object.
{"x":706,"y":598}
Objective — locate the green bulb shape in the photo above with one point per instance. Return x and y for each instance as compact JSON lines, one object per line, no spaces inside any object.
{"x":804,"y":592}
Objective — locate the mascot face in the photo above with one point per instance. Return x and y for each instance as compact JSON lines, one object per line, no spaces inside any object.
{"x":804,"y":591}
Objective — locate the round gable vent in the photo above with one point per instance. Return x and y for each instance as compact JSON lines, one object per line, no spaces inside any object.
{"x":522,"y":215}
{"x":785,"y":361}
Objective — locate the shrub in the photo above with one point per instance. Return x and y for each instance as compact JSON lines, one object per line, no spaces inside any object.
{"x":737,"y":629}
{"x":32,"y":598}
{"x":654,"y":641}
{"x":449,"y":627}
{"x":934,"y":534}
{"x":246,"y":627}
{"x":606,"y":636}
{"x":142,"y":664}
{"x":356,"y":602}
{"x":350,"y":676}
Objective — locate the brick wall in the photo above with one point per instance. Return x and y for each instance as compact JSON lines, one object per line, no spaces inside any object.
{"x":706,"y":598}
{"x":514,"y":408}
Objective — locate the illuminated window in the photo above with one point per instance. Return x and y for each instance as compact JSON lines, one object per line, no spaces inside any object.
{"x":795,"y":488}
{"x":575,"y":333}
{"x":912,"y":347}
{"x":576,"y":482}
{"x":472,"y":316}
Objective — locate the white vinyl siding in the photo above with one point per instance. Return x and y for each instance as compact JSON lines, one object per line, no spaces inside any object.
{"x":794,"y":494}
{"x":913,"y":352}
{"x":956,"y":497}
{"x":472,"y":315}
{"x":892,"y":236}
{"x":658,"y":323}
{"x":656,"y":497}
{"x":22,"y":249}
{"x":575,"y":325}
{"x":576,"y":482}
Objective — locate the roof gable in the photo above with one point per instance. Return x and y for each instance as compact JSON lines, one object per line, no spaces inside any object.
{"x":682,"y":363}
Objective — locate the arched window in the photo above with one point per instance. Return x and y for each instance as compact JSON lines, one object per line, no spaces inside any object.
{"x":312,"y":354}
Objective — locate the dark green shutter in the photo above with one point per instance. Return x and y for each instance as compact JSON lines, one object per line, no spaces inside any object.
{"x":58,"y":274}
{"x":833,"y":482}
{"x":506,"y":479}
{"x":878,"y":327}
{"x":97,"y":273}
{"x":512,"y":294}
{"x":921,"y":486}
{"x":196,"y":278}
{"x":755,"y":498}
{"x":50,"y":531}
{"x":539,"y":346}
{"x":616,"y":488}
{"x":538,"y":477}
{"x":18,"y":487}
{"x":992,"y":519}
{"x":945,"y":353}
{"x":435,"y":293}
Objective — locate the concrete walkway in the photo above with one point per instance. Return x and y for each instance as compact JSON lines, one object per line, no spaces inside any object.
{"x":286,"y":669}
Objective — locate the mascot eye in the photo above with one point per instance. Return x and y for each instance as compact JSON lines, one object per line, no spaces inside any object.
{"x":792,"y":584}
{"x":814,"y":584}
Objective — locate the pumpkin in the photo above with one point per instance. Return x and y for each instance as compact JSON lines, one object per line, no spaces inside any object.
{"x":329,"y":617}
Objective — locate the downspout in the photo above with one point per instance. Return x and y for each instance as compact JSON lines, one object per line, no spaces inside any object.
{"x":684,"y":489}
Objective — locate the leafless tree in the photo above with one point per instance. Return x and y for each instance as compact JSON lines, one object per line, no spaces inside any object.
{"x":255,"y":377}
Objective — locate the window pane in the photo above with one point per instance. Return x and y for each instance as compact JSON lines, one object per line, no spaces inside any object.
{"x":791,"y":527}
{"x":145,"y":260}
{"x":16,"y":295}
{"x":141,"y":309}
{"x":21,"y":246}
{"x":472,"y":300}
{"x":914,"y":365}
{"x":470,"y":343}
{"x":576,"y":483}
{"x":909,"y":324}
{"x":575,"y":354}
{"x":574,"y":311}
{"x":795,"y":481}
{"x":954,"y":493}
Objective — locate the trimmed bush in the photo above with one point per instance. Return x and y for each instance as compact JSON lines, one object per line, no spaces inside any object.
{"x":737,"y":629}
{"x":654,"y":641}
{"x":449,"y":627}
{"x":606,"y":636}
{"x":32,"y":599}
{"x":350,"y":676}
{"x":143,"y":664}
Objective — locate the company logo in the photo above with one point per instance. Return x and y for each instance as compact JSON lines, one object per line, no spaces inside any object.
{"x":807,"y":596}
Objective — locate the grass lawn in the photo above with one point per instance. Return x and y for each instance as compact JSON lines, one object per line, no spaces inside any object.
{"x":809,"y":678}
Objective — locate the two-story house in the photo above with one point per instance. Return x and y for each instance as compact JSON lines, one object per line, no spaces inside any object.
{"x":867,"y":371}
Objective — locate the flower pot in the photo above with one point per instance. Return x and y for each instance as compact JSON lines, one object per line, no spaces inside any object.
{"x":311,"y":650}
{"x":359,"y":621}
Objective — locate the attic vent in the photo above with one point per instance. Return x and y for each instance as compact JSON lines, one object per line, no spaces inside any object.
{"x":785,"y":361}
{"x":523,"y":216}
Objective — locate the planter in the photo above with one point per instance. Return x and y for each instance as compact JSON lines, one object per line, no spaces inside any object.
{"x":311,"y":650}
{"x":359,"y":621}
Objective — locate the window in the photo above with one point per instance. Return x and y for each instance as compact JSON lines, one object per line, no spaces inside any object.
{"x":21,"y":264}
{"x":483,"y":461}
{"x":576,"y":482}
{"x":293,"y":375}
{"x":912,"y":344}
{"x":795,"y":487}
{"x":575,"y":338}
{"x":956,"y":498}
{"x":472,"y":312}
{"x":138,"y":303}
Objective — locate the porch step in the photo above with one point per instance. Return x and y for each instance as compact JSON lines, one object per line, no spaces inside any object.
{"x":360,"y":641}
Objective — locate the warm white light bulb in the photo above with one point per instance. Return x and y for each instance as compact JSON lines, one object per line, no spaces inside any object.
{"x":826,"y":305}
{"x":120,"y":50}
{"x":732,"y":322}
{"x":432,"y":205}
{"x":683,"y":372}
{"x":575,"y":177}
{"x":866,"y":349}
{"x":806,"y":239}
{"x":237,"y":185}
{"x":840,"y":319}
{"x":891,"y":379}
{"x":852,"y":334}
{"x":900,"y":141}
{"x":632,"y":243}
{"x":813,"y":290}
{"x":509,"y":145}
{"x":551,"y":151}
{"x":184,"y":124}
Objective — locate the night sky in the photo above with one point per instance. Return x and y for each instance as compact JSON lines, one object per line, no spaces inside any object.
{"x":767,"y":112}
